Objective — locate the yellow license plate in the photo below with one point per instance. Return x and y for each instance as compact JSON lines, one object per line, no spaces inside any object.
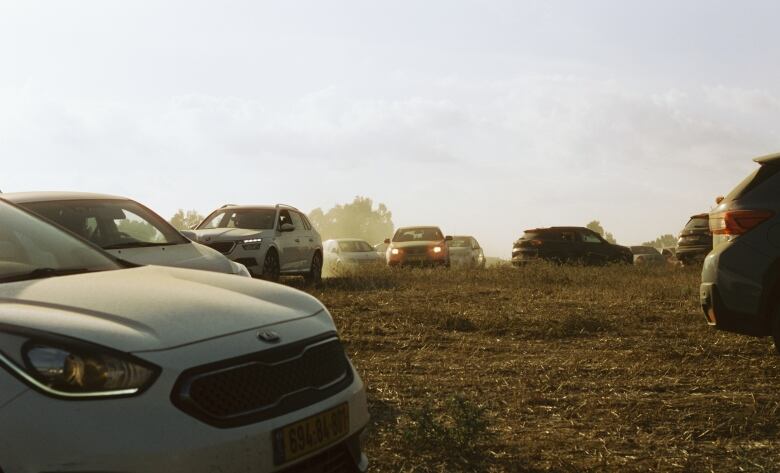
{"x":305,"y":436}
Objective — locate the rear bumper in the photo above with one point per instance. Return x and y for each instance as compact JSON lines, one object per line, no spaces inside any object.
{"x":692,"y":252}
{"x":718,"y":315}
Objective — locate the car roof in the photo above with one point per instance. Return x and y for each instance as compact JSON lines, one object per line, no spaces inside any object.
{"x":258,"y":207}
{"x":347,"y":239}
{"x":547,"y":229}
{"x":769,"y":158}
{"x":419,"y":226}
{"x":703,"y":215}
{"x":48,"y":196}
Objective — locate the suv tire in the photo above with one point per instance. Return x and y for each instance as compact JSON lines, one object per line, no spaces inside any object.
{"x":271,"y":266}
{"x":314,"y":276}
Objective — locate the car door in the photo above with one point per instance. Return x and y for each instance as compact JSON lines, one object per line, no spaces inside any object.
{"x":304,"y":240}
{"x":595,"y":248}
{"x":289,"y":259}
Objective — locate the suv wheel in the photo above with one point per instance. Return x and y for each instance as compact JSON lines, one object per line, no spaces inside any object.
{"x":314,"y":276}
{"x":271,"y":266}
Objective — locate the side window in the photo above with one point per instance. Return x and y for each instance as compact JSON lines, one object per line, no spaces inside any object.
{"x":284,"y":217}
{"x":306,"y":223}
{"x":474,"y":244}
{"x":297,"y":221}
{"x":568,"y":237}
{"x":590,"y":238}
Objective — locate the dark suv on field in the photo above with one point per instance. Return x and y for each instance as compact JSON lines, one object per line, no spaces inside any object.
{"x":740,"y":287}
{"x":568,"y":245}
{"x":695,"y":240}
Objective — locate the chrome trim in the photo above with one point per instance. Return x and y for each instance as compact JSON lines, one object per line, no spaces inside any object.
{"x":37,"y":384}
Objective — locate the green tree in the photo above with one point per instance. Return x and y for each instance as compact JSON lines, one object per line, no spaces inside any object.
{"x":186,"y":220}
{"x":358,"y":219}
{"x":595,"y":225}
{"x":663,"y":241}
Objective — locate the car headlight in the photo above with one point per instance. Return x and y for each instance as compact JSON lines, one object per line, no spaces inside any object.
{"x":251,"y":244}
{"x":77,"y":370}
{"x":395,"y":251}
{"x":437,"y":249}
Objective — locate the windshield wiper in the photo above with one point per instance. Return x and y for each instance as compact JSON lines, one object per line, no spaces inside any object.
{"x":135,"y":244}
{"x":41,"y":273}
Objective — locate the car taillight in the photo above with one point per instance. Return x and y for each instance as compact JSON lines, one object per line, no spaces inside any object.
{"x":737,"y":222}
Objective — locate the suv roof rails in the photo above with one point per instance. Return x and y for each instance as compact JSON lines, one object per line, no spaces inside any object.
{"x":286,"y":205}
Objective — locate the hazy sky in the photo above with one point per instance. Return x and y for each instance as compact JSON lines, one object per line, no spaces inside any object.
{"x":484,"y":117}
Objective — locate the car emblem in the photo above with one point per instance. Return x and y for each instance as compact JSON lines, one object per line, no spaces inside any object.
{"x":268,"y":336}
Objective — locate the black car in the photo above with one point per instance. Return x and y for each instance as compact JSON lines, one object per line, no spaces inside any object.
{"x":568,"y":245}
{"x":695,"y":240}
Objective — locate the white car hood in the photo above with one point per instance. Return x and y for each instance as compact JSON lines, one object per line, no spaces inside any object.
{"x":150,"y":308}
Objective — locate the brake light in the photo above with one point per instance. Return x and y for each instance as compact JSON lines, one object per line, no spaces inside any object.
{"x":738,"y":222}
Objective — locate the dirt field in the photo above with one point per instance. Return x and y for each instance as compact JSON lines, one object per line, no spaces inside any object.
{"x":551,"y":368}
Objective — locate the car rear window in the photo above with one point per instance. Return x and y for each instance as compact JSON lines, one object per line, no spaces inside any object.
{"x":755,"y":179}
{"x":552,"y":235}
{"x":698,"y":223}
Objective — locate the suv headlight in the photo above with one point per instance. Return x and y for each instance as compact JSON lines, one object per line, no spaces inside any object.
{"x":252,"y":244}
{"x":71,"y":369}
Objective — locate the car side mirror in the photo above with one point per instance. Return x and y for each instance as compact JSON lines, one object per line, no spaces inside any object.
{"x":189,"y":234}
{"x":387,"y":241}
{"x":287,"y":227}
{"x":448,"y":238}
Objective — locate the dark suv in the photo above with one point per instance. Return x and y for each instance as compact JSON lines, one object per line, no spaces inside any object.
{"x":695,"y":240}
{"x":740,"y":287}
{"x":568,"y":245}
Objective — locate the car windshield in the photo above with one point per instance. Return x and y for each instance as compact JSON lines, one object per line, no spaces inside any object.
{"x":252,"y":219}
{"x":110,"y":223}
{"x":644,"y":250}
{"x":418,"y":234}
{"x":355,"y":247}
{"x":31,"y":248}
{"x":698,"y":223}
{"x":459,"y":242}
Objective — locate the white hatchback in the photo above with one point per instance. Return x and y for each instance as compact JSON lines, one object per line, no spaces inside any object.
{"x":126,"y":229}
{"x":163,"y":370}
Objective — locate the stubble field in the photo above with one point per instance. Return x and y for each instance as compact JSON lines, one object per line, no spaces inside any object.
{"x":550,"y":368}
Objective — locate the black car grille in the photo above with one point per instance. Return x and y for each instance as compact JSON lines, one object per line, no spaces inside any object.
{"x":416,"y":250}
{"x":263,"y":385}
{"x":223,"y":247}
{"x":334,"y":460}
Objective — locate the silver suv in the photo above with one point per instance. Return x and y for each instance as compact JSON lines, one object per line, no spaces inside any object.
{"x":269,"y":240}
{"x":740,"y":288}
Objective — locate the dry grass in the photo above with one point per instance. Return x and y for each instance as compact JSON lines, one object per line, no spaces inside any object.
{"x":550,"y":368}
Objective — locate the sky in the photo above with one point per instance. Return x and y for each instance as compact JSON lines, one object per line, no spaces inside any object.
{"x":483,"y":117}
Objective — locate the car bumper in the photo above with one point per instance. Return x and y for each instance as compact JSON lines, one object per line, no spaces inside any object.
{"x":422,"y":260}
{"x":148,"y":434}
{"x":692,"y":252}
{"x":729,"y":300}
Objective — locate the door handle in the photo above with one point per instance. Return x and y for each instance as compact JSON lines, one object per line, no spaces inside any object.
{"x":311,"y":240}
{"x":297,"y":240}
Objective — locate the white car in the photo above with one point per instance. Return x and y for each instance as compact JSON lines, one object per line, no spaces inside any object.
{"x":466,"y":252}
{"x":349,"y":253}
{"x":152,"y":369}
{"x":124,"y":228}
{"x":269,"y":240}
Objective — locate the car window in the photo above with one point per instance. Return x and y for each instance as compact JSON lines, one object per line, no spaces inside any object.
{"x":306,"y":223}
{"x":355,"y":247}
{"x":284,"y":217}
{"x":474,"y":244}
{"x":28,"y":243}
{"x":110,"y":223}
{"x":250,"y":219}
{"x":698,"y":223}
{"x":297,"y":221}
{"x":460,"y":242}
{"x":590,"y":238}
{"x":417,"y":234}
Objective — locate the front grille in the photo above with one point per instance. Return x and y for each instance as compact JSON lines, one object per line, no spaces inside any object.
{"x":334,"y":460}
{"x":416,"y":250}
{"x":265,"y":384}
{"x":223,"y":247}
